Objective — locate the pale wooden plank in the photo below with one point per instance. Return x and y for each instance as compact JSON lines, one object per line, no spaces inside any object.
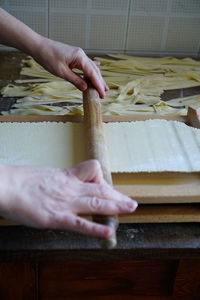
{"x":163,"y":187}
{"x":78,"y":118}
{"x":163,"y":214}
{"x":161,"y":194}
{"x":152,"y":214}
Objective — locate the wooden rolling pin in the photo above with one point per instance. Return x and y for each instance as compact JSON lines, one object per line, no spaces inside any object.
{"x":97,"y":149}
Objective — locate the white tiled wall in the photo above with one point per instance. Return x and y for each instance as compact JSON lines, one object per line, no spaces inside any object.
{"x":145,"y":33}
{"x":186,"y":7}
{"x":33,"y":13}
{"x":183,"y":34}
{"x":146,"y":6}
{"x":155,"y":27}
{"x":68,"y":27}
{"x":67,"y":4}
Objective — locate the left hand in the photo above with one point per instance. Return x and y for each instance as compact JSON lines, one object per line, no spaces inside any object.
{"x":54,"y":198}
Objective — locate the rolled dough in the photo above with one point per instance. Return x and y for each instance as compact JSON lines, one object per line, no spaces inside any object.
{"x":142,"y":146}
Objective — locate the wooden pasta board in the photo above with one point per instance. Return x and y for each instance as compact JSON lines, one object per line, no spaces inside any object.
{"x":164,"y":192}
{"x":79,"y":118}
{"x":164,"y":187}
{"x":163,"y":214}
{"x":152,"y":214}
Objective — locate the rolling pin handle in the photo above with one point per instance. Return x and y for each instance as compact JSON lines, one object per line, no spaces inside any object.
{"x":110,"y":242}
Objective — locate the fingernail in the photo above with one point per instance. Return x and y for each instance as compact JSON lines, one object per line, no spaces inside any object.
{"x":83,"y":87}
{"x":102,"y":96}
{"x":107,"y":232}
{"x":131,"y":205}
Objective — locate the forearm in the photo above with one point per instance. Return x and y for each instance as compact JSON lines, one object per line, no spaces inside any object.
{"x":57,"y":58}
{"x":16,"y":34}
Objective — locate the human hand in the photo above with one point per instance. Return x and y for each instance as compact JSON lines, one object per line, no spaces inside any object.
{"x":53,"y":198}
{"x":59,"y":59}
{"x":56,"y":57}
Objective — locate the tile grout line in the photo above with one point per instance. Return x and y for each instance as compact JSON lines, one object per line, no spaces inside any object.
{"x":48,"y":18}
{"x":166,"y":25}
{"x":88,"y":26}
{"x":127,"y":27}
{"x":7,"y":6}
{"x":198,"y":52}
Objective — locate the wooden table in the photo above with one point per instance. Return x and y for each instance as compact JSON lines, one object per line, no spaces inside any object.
{"x":151,"y":261}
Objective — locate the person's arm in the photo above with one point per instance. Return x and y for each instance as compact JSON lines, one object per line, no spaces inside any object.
{"x":57,"y":58}
{"x":54,"y":198}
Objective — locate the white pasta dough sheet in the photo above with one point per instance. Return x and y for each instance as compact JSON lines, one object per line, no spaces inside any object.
{"x":141,"y":146}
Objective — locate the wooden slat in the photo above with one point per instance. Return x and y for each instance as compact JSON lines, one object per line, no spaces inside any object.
{"x":163,"y":187}
{"x":152,"y":214}
{"x":40,"y":118}
{"x":78,"y":118}
{"x":161,"y":194}
{"x":163,"y":214}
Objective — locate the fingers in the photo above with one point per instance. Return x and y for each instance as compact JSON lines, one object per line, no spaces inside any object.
{"x":78,"y":224}
{"x":75,"y":79}
{"x":103,"y":191}
{"x":91,"y":70}
{"x":88,"y":171}
{"x":95,"y":195}
{"x":94,"y":205}
{"x":81,"y":84}
{"x":96,"y":65}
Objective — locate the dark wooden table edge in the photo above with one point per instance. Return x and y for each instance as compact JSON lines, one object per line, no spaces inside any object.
{"x":97,"y":255}
{"x":135,"y":241}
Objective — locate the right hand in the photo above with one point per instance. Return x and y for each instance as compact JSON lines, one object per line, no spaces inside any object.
{"x":60,"y":59}
{"x":53,"y":198}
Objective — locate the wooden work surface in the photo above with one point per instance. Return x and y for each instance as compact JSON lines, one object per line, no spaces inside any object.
{"x":151,"y":261}
{"x":134,"y":240}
